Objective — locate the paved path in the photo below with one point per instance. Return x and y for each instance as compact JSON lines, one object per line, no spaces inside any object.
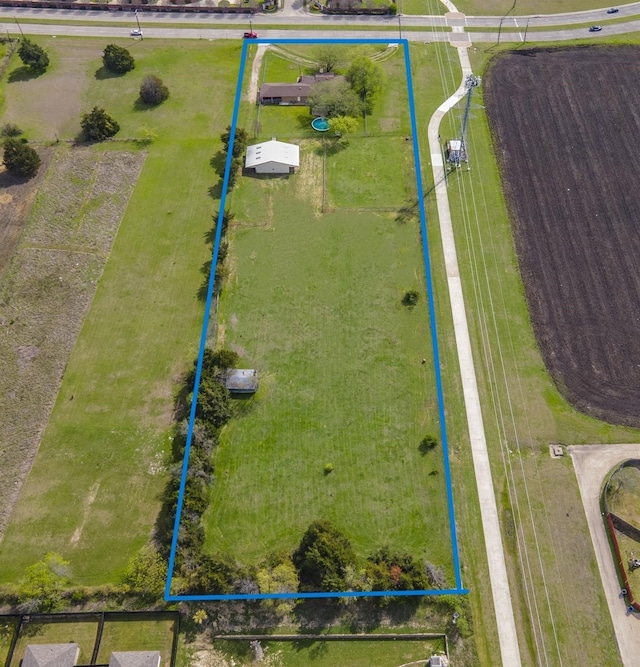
{"x":592,"y":463}
{"x":501,"y":594}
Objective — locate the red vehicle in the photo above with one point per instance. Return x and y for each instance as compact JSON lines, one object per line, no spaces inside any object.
{"x":250,"y":35}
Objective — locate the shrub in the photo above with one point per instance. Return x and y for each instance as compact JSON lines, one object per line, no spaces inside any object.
{"x":146,"y":573}
{"x":322,"y":558}
{"x":396,"y":571}
{"x":41,"y":589}
{"x":10,"y":130}
{"x":213,"y":403}
{"x":328,"y":468}
{"x":19,"y":158}
{"x":117,"y":59}
{"x":411,"y":298}
{"x":98,"y":125}
{"x":152,"y":90}
{"x":427,"y":443}
{"x":224,"y":359}
{"x":33,"y":56}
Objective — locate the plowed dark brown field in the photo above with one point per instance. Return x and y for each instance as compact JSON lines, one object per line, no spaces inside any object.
{"x":566,"y":131}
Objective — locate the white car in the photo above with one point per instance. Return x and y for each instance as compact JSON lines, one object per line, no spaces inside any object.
{"x":136,"y":33}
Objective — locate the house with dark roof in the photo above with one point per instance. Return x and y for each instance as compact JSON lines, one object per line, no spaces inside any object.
{"x":51,"y":655}
{"x":135,"y":659}
{"x":287,"y":94}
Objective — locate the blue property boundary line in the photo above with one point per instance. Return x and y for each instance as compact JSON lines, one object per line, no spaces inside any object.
{"x":434,"y":341}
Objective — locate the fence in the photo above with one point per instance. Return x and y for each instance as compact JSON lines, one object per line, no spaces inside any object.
{"x":23,"y":620}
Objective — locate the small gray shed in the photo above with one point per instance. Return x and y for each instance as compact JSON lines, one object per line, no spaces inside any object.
{"x":242,"y":381}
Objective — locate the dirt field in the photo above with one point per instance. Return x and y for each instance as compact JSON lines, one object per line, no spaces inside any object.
{"x":564,"y":124}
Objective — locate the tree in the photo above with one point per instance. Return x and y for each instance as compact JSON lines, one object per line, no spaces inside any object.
{"x":396,"y":571}
{"x":240,"y":140}
{"x":33,"y":56}
{"x":117,"y":59}
{"x":19,"y":158}
{"x":366,"y":78}
{"x":281,"y":578}
{"x":44,"y":582}
{"x":152,"y":90}
{"x":334,"y":98}
{"x":343,"y":125}
{"x":146,"y":573}
{"x":411,"y":298}
{"x":10,"y":130}
{"x":98,"y":125}
{"x":213,"y":575}
{"x":328,"y":58}
{"x":427,"y":443}
{"x":323,"y":557}
{"x":213,"y":403}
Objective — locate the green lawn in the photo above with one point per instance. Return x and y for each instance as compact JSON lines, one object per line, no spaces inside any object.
{"x":94,"y":489}
{"x":7,"y":629}
{"x":136,"y":636}
{"x":82,"y":633}
{"x":313,"y":303}
{"x":532,"y":8}
{"x":322,"y":653}
{"x":538,"y":498}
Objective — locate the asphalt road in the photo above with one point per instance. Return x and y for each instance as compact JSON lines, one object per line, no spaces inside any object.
{"x":292,"y":21}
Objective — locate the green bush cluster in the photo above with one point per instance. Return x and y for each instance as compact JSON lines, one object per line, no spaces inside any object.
{"x":195,"y":571}
{"x":19,"y":158}
{"x":326,"y":561}
{"x":153,"y":91}
{"x":117,"y":59}
{"x":239,"y":146}
{"x":33,"y":56}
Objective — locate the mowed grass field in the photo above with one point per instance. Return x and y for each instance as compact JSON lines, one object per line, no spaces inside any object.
{"x":328,"y":653}
{"x":95,"y":486}
{"x":541,"y":513}
{"x":313,"y":303}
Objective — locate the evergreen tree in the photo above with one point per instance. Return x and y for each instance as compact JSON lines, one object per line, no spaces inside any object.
{"x":33,"y":56}
{"x":19,"y":158}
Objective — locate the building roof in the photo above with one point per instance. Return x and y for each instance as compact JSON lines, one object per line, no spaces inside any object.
{"x":135,"y":659}
{"x":51,"y":655}
{"x":273,"y":151}
{"x":284,"y":90}
{"x":242,"y":380}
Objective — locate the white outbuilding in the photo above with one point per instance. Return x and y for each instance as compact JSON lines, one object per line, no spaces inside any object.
{"x":273,"y":157}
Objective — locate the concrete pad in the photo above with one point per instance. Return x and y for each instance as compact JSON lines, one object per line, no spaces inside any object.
{"x":455,"y":18}
{"x":592,"y":464}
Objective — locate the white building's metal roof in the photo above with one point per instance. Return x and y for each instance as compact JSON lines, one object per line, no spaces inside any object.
{"x":273,"y":151}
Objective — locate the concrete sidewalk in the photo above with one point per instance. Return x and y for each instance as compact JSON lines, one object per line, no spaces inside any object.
{"x":507,"y":635}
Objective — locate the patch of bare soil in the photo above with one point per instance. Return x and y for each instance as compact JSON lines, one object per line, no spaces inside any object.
{"x":46,"y":291}
{"x":564,"y":126}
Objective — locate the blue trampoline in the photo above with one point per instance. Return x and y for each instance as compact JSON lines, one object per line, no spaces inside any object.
{"x":320,"y":124}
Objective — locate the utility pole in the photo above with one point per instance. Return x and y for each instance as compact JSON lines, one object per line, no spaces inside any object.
{"x":400,"y":25}
{"x":138,"y":22}
{"x":470,"y":83}
{"x":19,"y":26}
{"x":500,"y":29}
